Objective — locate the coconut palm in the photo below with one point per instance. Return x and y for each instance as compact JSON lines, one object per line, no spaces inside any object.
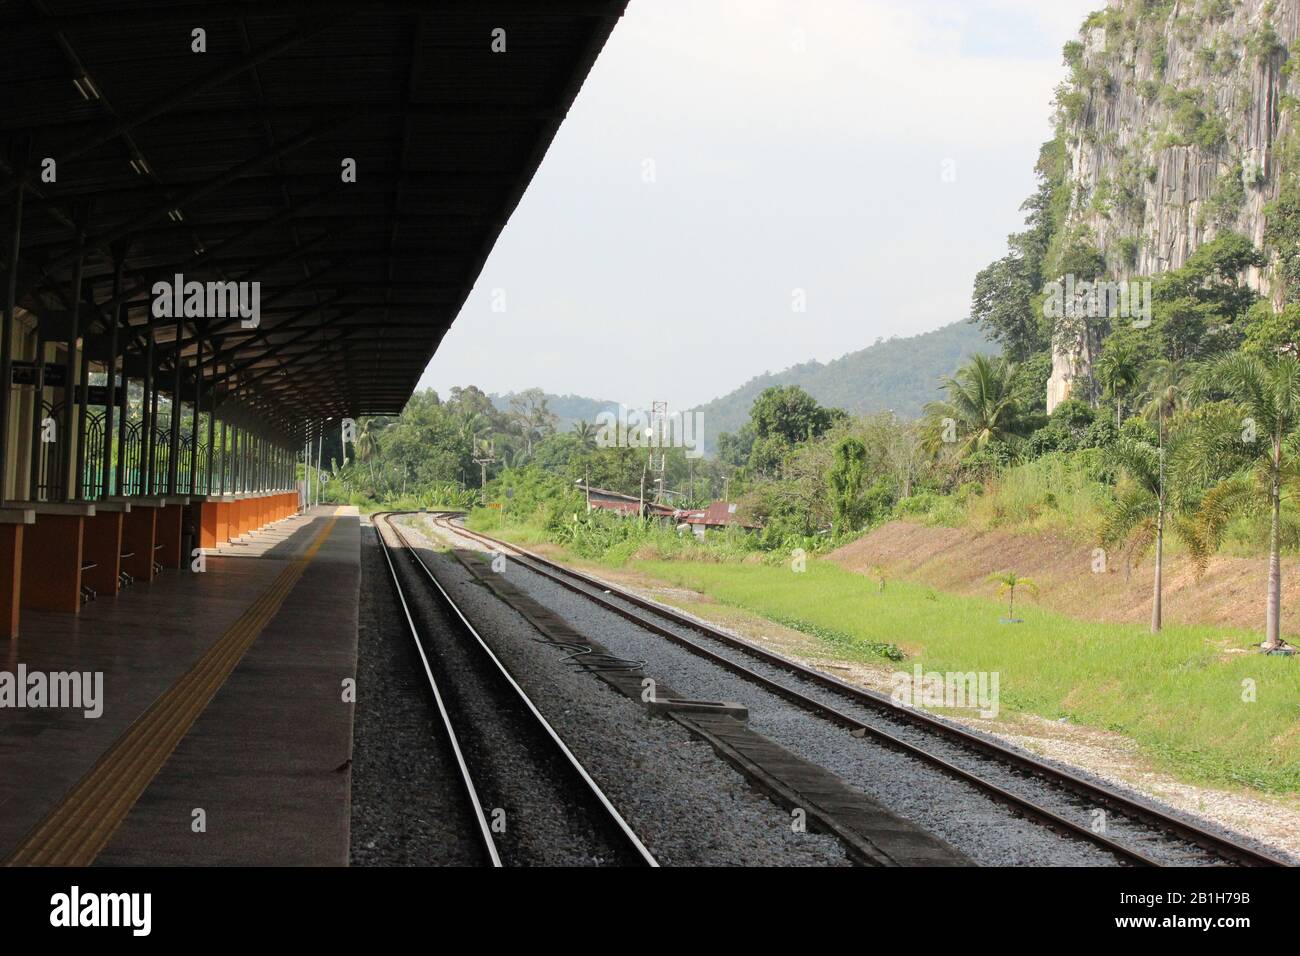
{"x":1007,"y":583}
{"x":1117,"y":370}
{"x":368,"y":438}
{"x":585,"y":432}
{"x":980,"y":405}
{"x":1268,"y":390}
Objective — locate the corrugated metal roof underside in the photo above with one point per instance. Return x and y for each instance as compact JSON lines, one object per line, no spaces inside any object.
{"x":226,"y":165}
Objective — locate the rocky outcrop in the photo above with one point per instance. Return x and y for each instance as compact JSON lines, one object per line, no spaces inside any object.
{"x":1173,"y":121}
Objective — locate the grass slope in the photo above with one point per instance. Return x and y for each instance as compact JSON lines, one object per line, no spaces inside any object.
{"x":1178,"y":694}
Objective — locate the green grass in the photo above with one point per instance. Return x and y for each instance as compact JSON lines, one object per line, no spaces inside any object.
{"x":1177,"y":694}
{"x":491,"y":522}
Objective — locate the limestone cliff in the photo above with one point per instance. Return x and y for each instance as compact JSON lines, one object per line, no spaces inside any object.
{"x":1172,"y":124}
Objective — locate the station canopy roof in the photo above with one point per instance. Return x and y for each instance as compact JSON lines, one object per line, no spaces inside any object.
{"x":227,"y":165}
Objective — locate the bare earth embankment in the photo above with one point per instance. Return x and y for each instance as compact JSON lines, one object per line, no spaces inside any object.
{"x":960,"y":560}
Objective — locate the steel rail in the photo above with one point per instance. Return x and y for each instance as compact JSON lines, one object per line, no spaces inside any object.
{"x":1063,"y":779}
{"x":467,"y":779}
{"x":612,"y":813}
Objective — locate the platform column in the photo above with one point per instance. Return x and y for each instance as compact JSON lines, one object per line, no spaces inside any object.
{"x":20,"y":156}
{"x":122,"y":415}
{"x":38,"y":409}
{"x":148,"y":411}
{"x":83,"y":413}
{"x":222,"y":488}
{"x":67,"y":460}
{"x":194,"y":415}
{"x":174,"y":431}
{"x":110,"y":381}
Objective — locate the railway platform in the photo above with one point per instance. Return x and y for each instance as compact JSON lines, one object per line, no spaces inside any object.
{"x":204,"y":718}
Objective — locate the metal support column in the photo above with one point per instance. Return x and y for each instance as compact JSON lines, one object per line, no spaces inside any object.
{"x":174,"y":431}
{"x":110,"y":381}
{"x":194,"y":417}
{"x":148,"y":411}
{"x":38,"y":417}
{"x":222,"y":477}
{"x":21,"y":157}
{"x":66,"y":458}
{"x":83,"y":416}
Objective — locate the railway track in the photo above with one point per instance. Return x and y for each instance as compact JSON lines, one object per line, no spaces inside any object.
{"x":1135,"y":833}
{"x":456,"y":670}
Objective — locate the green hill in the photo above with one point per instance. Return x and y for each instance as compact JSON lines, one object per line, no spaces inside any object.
{"x":898,"y":373}
{"x":569,"y":408}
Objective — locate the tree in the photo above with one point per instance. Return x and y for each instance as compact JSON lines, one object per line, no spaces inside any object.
{"x":845,"y":479}
{"x":1268,"y":391}
{"x":586,"y":433}
{"x":1117,"y":370}
{"x":1212,"y":276}
{"x":1001,"y":304}
{"x":735,"y":449}
{"x":1271,"y":333}
{"x":788,"y":412}
{"x":1141,"y":511}
{"x":981,"y":408}
{"x":531,"y":416}
{"x":1003,"y":299}
{"x":1166,"y":393}
{"x":368,"y":438}
{"x":1007,"y":583}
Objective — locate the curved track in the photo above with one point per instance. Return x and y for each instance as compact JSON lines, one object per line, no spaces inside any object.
{"x":1143,"y":823}
{"x":610,"y":832}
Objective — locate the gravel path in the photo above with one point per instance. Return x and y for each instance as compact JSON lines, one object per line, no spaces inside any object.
{"x":954,"y":811}
{"x":688,"y":806}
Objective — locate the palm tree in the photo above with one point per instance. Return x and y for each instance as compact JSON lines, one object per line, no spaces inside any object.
{"x":980,"y":405}
{"x":367,"y":444}
{"x":1118,"y":370}
{"x":585,"y":432}
{"x":1141,"y":512}
{"x":1166,"y":392}
{"x":1269,"y":393}
{"x":1007,"y":583}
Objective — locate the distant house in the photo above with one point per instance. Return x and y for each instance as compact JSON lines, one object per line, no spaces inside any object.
{"x":628,"y":505}
{"x":719,"y":514}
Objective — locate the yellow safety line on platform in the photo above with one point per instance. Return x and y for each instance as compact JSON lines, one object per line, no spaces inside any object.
{"x":76,"y":830}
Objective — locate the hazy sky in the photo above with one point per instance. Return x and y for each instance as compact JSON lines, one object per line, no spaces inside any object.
{"x":871,"y":153}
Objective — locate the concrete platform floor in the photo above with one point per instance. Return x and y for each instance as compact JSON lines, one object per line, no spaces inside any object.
{"x":224,"y":736}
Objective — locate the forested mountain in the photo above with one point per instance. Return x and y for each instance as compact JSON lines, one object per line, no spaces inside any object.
{"x":902,"y":374}
{"x":567,"y":408}
{"x":898,"y":373}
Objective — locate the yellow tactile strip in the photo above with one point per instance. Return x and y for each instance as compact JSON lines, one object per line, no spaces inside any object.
{"x":76,"y":830}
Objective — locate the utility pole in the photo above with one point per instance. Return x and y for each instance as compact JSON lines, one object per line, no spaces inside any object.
{"x":482,"y":462}
{"x":658,"y":439}
{"x":640,"y":511}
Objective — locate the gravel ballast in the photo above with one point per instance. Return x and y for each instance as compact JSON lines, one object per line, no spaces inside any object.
{"x":954,"y":811}
{"x":687,"y":806}
{"x":407,"y":805}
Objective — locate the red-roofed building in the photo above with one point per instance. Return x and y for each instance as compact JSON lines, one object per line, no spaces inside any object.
{"x":628,"y":505}
{"x":720,"y":514}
